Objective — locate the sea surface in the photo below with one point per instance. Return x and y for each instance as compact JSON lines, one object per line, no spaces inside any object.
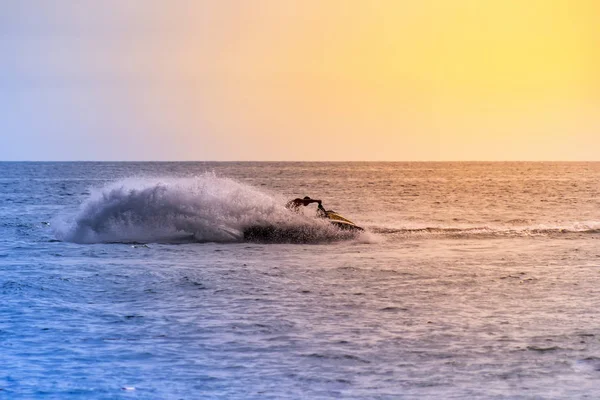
{"x":134,"y":281}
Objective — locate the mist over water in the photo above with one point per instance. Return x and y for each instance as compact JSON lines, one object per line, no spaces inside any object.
{"x":473,"y":280}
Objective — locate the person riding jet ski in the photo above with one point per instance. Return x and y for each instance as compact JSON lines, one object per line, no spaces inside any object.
{"x":295,"y":204}
{"x":333,"y":217}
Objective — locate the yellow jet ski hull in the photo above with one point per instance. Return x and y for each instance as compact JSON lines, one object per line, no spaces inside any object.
{"x":341,"y":222}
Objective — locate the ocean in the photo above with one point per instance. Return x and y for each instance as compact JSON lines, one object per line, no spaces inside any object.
{"x":134,"y":281}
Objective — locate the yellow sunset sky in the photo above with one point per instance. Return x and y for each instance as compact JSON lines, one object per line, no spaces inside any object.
{"x":305,"y":80}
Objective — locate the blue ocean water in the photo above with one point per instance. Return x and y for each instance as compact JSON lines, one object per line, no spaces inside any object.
{"x":134,"y":280}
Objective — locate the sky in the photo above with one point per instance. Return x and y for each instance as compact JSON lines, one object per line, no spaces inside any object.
{"x":322,"y":80}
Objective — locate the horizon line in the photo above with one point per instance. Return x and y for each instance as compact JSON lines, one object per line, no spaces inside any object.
{"x":298,"y":161}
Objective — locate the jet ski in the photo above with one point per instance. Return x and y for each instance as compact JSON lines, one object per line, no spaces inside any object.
{"x":299,"y":234}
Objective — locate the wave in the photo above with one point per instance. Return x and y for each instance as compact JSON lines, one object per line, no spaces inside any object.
{"x":206,"y":208}
{"x":590,"y":228}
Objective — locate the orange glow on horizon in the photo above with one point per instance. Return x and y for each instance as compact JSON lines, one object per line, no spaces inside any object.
{"x":316,"y":80}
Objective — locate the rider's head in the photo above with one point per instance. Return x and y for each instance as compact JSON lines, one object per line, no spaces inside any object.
{"x":306,"y":199}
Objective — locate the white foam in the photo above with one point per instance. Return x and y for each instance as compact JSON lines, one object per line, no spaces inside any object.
{"x":366,"y":237}
{"x":204,"y":208}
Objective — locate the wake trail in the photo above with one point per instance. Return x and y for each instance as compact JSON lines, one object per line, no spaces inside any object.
{"x":576,"y":228}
